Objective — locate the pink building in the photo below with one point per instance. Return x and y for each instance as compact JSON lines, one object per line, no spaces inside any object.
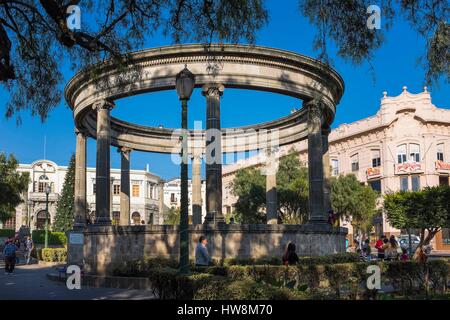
{"x":404,"y":146}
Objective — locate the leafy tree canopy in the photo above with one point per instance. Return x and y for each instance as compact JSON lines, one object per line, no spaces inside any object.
{"x":354,"y":201}
{"x":427,"y":210}
{"x":172,"y":216}
{"x":35,"y":38}
{"x":292,"y":193}
{"x":12,"y":185}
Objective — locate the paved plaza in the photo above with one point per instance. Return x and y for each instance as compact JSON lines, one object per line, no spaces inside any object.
{"x":30,"y":282}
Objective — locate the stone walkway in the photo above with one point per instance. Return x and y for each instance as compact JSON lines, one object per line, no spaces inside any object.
{"x":30,"y":283}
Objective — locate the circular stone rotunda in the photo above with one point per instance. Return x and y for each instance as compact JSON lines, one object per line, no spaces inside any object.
{"x":101,"y":246}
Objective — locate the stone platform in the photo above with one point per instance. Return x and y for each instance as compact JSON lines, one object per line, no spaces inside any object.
{"x":108,"y":247}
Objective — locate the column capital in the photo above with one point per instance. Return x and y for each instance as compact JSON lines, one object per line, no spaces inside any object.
{"x":213,"y":89}
{"x":81,"y":131}
{"x":102,"y":105}
{"x":125,"y":150}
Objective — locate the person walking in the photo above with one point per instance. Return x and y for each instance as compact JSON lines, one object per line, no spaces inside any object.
{"x":290,"y":256}
{"x":9,"y":254}
{"x":379,"y":246}
{"x":29,"y":247}
{"x":17,"y":243}
{"x":202,"y":258}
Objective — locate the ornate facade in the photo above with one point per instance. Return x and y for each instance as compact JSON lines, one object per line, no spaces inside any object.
{"x":404,"y":146}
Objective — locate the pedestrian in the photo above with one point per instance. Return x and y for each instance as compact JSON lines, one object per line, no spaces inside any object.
{"x":29,"y":247}
{"x":202,"y":258}
{"x":379,"y":246}
{"x":391,"y":248}
{"x":290,"y":256}
{"x":9,"y":254}
{"x":231,"y":220}
{"x":362,"y":255}
{"x":17,"y":243}
{"x":404,"y":256}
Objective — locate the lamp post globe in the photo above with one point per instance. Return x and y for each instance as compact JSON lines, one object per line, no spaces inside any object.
{"x":185,"y":83}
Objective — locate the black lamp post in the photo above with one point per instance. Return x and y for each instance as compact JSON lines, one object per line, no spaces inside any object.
{"x":47,"y":192}
{"x":185,"y":82}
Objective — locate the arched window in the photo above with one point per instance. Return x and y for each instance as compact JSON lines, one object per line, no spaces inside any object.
{"x":401,"y":153}
{"x":136,"y":217}
{"x":40,"y":220}
{"x":414,"y":152}
{"x":43,"y":182}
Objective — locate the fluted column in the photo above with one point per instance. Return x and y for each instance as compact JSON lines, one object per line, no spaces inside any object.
{"x":213,"y":154}
{"x":80,"y":180}
{"x":317,"y":213}
{"x":326,"y":170}
{"x":161,"y":203}
{"x":124,"y":186}
{"x":270,"y":171}
{"x":103,"y":180}
{"x":196,"y":190}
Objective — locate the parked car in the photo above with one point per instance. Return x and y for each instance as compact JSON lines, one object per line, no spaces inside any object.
{"x":415,"y":240}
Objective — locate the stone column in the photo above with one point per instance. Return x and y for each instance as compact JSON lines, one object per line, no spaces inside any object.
{"x":326,"y":170}
{"x":196,"y":190}
{"x":102,"y":176}
{"x":270,"y":171}
{"x":124,"y":186}
{"x":80,"y":180}
{"x":161,"y":203}
{"x":317,"y":213}
{"x":213,"y":154}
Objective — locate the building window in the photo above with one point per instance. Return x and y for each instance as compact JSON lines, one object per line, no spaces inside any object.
{"x":440,"y":152}
{"x":94,"y":188}
{"x":414,"y":152}
{"x":116,"y":189}
{"x":172,"y":198}
{"x":401,"y":153}
{"x":334,"y":167}
{"x":404,"y":186}
{"x":355,"y":162}
{"x":376,"y":158}
{"x":415,"y":183}
{"x":375,"y":185}
{"x":446,"y":236}
{"x":136,"y":217}
{"x":135,"y":190}
{"x":443,"y":180}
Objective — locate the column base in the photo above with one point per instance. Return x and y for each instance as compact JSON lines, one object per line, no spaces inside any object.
{"x":103,"y":221}
{"x":213,"y":218}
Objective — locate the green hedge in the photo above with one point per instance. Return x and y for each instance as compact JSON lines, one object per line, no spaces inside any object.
{"x":303,"y":281}
{"x":53,"y":254}
{"x":54,"y":238}
{"x":5,"y":233}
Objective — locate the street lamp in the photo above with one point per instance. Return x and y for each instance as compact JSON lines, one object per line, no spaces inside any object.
{"x":47,"y":192}
{"x":185,"y":82}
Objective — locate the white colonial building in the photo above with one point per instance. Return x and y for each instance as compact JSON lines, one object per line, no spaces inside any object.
{"x":144,"y":195}
{"x":404,"y":146}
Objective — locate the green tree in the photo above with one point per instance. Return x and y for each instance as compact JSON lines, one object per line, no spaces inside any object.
{"x":354,"y":201}
{"x":172,"y":216}
{"x":65,"y":205}
{"x":12,"y":186}
{"x":249,"y":186}
{"x":427,"y":210}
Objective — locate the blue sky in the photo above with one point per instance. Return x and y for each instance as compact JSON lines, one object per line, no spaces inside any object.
{"x":395,"y":65}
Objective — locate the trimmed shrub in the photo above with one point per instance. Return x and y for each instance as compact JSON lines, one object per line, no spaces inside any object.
{"x":54,"y":238}
{"x":53,"y":254}
{"x":6,"y":233}
{"x":331,"y":259}
{"x":438,"y":274}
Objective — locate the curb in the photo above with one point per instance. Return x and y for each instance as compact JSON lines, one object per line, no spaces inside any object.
{"x":107,"y":282}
